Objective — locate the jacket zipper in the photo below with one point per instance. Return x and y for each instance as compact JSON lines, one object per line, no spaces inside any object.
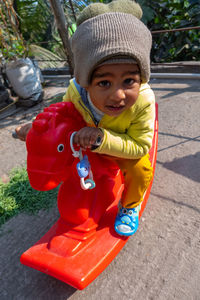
{"x":90,"y":114}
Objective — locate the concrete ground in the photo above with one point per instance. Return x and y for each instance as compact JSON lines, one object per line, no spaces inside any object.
{"x":162,"y":261}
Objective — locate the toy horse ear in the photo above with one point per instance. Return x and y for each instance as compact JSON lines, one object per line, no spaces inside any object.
{"x":40,"y":125}
{"x":58,"y":119}
{"x":66,"y":109}
{"x":73,"y":112}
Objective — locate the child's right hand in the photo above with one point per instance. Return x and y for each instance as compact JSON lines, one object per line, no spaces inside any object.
{"x":23,"y":130}
{"x":87,"y":136}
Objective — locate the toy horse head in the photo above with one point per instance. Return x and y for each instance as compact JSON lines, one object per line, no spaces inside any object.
{"x":48,"y":145}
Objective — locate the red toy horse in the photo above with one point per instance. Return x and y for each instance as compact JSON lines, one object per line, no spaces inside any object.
{"x":83,"y":241}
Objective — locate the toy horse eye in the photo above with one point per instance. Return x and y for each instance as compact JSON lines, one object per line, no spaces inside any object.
{"x":60,"y":148}
{"x":124,"y":211}
{"x":130,"y":212}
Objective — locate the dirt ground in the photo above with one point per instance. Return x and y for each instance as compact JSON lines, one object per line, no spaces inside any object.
{"x":162,"y":261}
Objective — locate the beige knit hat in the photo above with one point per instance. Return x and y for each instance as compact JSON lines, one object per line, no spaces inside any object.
{"x":110,"y":36}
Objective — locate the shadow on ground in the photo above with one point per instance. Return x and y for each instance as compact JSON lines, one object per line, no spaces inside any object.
{"x":19,"y":281}
{"x":191,"y":85}
{"x":184,"y":139}
{"x":188,"y":166}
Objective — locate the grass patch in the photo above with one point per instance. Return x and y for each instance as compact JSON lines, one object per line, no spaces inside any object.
{"x":55,"y":99}
{"x":18,"y":196}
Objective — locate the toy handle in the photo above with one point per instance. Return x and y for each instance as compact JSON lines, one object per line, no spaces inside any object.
{"x":87,"y":184}
{"x":74,"y":152}
{"x":77,"y":153}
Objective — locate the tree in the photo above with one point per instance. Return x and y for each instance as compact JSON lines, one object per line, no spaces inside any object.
{"x":62,"y":29}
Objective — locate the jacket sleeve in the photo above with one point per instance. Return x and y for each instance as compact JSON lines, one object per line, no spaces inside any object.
{"x":137,"y":140}
{"x":68,"y":95}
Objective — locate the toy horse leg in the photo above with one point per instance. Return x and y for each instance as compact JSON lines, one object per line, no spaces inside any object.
{"x":74,"y":203}
{"x":81,"y":212}
{"x":108,"y":190}
{"x":75,"y":227}
{"x":84,"y":208}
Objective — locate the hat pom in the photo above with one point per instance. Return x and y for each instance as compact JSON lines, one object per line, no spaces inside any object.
{"x":124,"y":6}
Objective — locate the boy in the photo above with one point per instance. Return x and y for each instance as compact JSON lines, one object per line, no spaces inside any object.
{"x":112,"y":67}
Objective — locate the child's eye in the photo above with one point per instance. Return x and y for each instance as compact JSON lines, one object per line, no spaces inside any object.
{"x":129,"y":81}
{"x":104,"y":83}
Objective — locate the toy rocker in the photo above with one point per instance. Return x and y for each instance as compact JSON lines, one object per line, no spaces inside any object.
{"x":81,"y":244}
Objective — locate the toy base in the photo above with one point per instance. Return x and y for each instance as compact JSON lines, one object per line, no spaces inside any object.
{"x":77,"y":256}
{"x":74,"y":261}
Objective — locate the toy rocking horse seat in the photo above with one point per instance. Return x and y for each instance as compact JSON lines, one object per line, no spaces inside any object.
{"x":81,"y":244}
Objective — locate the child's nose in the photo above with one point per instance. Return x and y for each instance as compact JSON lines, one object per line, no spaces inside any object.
{"x":118,"y":94}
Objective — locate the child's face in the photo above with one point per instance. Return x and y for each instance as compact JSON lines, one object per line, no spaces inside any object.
{"x":115,"y":87}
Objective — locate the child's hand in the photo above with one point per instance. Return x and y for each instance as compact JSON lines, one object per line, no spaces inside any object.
{"x":23,"y":130}
{"x":87,"y":136}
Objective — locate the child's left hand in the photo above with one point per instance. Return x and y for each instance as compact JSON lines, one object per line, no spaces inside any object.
{"x":87,"y":136}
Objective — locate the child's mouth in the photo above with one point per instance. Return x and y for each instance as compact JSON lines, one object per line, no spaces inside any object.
{"x":115,"y":108}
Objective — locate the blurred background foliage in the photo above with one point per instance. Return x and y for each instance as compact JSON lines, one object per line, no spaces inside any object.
{"x":27,"y":27}
{"x":173,"y":14}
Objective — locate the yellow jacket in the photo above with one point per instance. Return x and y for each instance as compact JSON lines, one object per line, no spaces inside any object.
{"x":128,"y":135}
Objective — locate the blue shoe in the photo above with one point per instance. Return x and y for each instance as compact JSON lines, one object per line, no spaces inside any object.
{"x":127,"y":221}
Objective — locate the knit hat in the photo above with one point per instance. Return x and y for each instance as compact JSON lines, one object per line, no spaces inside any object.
{"x":107,"y":36}
{"x":95,"y":9}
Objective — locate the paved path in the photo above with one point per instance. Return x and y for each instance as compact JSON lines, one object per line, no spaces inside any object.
{"x":162,"y":261}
